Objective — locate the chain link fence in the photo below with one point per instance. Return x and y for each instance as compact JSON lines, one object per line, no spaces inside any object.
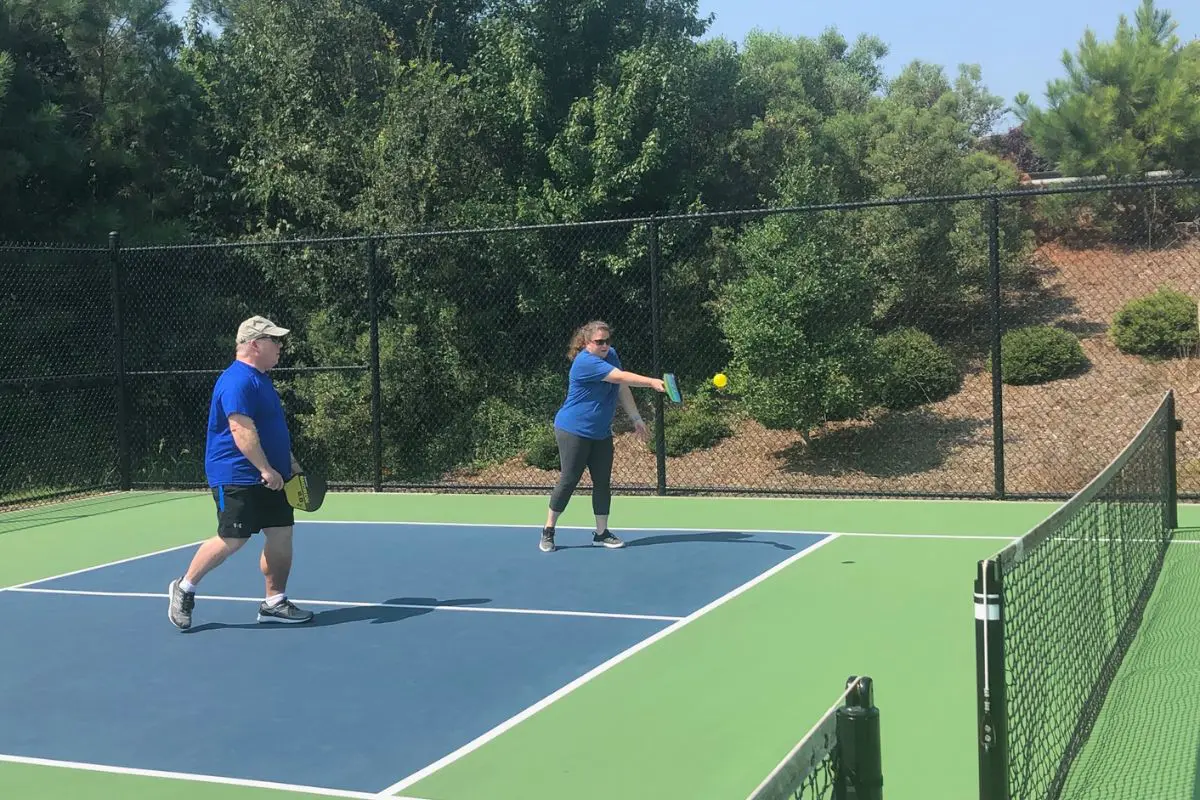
{"x":58,"y":392}
{"x":859,"y":341}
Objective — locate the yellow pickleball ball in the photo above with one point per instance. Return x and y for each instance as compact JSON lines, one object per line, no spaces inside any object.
{"x":719,"y":380}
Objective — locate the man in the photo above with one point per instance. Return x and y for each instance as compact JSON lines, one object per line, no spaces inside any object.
{"x":248,"y":456}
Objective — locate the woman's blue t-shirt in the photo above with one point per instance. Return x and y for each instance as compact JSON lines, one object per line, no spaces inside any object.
{"x":591,"y":401}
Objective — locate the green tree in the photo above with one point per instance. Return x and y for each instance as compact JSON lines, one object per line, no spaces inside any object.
{"x":1125,"y":106}
{"x":41,"y":153}
{"x":294,"y":95}
{"x":798,"y":319}
{"x":653,"y":140}
{"x":143,"y":110}
{"x":98,"y":120}
{"x":917,"y":140}
{"x":807,"y":93}
{"x":603,"y":108}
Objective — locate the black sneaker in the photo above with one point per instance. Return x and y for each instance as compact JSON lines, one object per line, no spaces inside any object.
{"x":282,"y":612}
{"x":180,"y":605}
{"x":547,"y":543}
{"x":607,"y":539}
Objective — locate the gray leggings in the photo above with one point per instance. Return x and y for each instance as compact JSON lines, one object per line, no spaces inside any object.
{"x":575,"y":453}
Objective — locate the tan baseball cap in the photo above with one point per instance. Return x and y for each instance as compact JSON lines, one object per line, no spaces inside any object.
{"x":258,"y":328}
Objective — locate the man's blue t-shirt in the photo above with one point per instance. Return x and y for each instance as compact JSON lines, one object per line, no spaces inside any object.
{"x":591,"y":401}
{"x":242,"y":389}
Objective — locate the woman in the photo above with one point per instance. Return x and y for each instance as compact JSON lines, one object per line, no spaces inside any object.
{"x":583,"y":426}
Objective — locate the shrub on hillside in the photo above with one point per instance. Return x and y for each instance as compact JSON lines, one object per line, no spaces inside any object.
{"x":1158,"y":324}
{"x":695,"y":425}
{"x":913,"y":370}
{"x":1039,"y":353}
{"x":541,"y":448}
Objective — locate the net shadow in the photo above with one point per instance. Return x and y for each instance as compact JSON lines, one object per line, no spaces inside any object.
{"x":74,"y":510}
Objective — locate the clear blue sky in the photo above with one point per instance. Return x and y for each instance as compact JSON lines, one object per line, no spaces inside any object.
{"x":1018,"y":43}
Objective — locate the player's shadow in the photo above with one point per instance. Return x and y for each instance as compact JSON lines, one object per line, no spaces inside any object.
{"x":717,"y":537}
{"x":395,"y":610}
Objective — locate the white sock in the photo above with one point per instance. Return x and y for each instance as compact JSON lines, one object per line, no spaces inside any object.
{"x":187,"y":585}
{"x":275,"y":599}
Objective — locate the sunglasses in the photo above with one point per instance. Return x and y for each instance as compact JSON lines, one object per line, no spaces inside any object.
{"x":600,"y":341}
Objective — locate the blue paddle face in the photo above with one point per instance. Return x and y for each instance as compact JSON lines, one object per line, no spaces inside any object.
{"x":672,"y":387}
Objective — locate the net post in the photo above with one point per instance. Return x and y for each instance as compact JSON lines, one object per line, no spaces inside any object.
{"x":992,"y":706}
{"x":1174,"y":425}
{"x":860,"y":772}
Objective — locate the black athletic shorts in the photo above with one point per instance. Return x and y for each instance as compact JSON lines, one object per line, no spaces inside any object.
{"x":243,"y":511}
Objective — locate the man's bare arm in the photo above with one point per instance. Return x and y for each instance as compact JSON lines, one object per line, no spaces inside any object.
{"x":245,"y":436}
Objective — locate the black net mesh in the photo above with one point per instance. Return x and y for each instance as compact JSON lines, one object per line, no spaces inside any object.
{"x":811,"y":779}
{"x":1118,"y":271}
{"x":797,"y":299}
{"x":1073,"y":592}
{"x":182,"y":308}
{"x":858,"y":341}
{"x":473,"y":337}
{"x":816,"y":768}
{"x":58,"y":403}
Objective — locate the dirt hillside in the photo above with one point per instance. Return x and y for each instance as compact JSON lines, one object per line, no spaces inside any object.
{"x":1056,"y":436}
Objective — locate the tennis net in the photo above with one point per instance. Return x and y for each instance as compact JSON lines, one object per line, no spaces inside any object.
{"x":839,"y":758}
{"x":1057,"y":609}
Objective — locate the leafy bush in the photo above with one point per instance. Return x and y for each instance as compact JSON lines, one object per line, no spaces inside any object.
{"x":1039,"y":353}
{"x":503,"y":427}
{"x":695,"y":425}
{"x":913,"y":370}
{"x":1159,"y":324}
{"x":1077,"y":220}
{"x":497,"y":428}
{"x":541,"y":448}
{"x":796,"y":322}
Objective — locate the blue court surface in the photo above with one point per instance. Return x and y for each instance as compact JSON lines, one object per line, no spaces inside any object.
{"x":426,"y":637}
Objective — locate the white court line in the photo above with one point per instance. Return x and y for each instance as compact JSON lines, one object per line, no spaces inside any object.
{"x":483,"y":739}
{"x":957,"y":537}
{"x":684,"y":498}
{"x":353,"y":604}
{"x":308,"y":522}
{"x":100,"y":566}
{"x":187,"y":776}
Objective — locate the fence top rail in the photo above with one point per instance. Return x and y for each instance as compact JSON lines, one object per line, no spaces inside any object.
{"x":386,"y":237}
{"x":45,"y":247}
{"x":1083,"y":185}
{"x":1076,"y":186}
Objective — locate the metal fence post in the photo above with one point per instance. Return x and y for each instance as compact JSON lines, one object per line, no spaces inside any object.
{"x":376,"y":404}
{"x":660,"y":438}
{"x":997,"y":332}
{"x":124,"y":461}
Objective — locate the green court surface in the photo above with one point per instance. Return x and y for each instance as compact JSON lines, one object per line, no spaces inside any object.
{"x":1146,"y":742}
{"x":708,"y":710}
